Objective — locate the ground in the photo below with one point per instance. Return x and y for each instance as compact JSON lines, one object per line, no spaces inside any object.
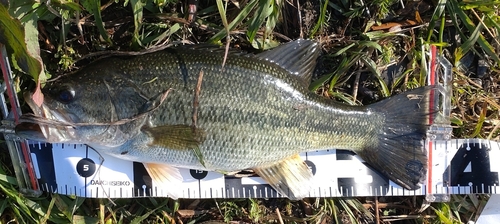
{"x":371,"y":50}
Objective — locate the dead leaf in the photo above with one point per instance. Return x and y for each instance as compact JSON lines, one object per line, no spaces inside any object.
{"x":38,"y":95}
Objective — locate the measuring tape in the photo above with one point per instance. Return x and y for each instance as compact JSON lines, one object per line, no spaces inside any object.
{"x":455,"y":166}
{"x":461,"y":166}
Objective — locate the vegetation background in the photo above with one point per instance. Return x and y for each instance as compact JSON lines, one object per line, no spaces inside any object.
{"x":371,"y":49}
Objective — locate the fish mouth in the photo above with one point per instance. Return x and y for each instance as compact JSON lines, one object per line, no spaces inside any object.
{"x":44,"y":124}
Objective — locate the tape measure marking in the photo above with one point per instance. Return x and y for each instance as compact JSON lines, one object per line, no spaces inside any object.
{"x":337,"y":173}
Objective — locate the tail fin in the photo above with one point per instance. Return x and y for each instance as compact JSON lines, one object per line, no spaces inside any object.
{"x":400,"y":151}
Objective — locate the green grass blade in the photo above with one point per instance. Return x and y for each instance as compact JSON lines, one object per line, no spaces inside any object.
{"x":8,"y":179}
{"x":443,"y":213}
{"x":492,"y":21}
{"x":94,"y":7}
{"x":480,"y":122}
{"x":63,"y":205}
{"x":379,"y":34}
{"x":4,"y":205}
{"x":400,"y":79}
{"x":343,"y":50}
{"x":241,"y":16}
{"x":274,"y":17}
{"x":140,"y":219}
{"x":347,"y":209}
{"x":222,"y":12}
{"x":137,"y":7}
{"x":318,"y":83}
{"x":49,"y":210}
{"x":371,"y":44}
{"x":469,"y":43}
{"x":170,"y":31}
{"x":372,"y":66}
{"x":79,"y":219}
{"x":437,"y":15}
{"x":344,"y":65}
{"x":441,"y":32}
{"x":423,"y":64}
{"x":344,"y":97}
{"x":264,"y":9}
{"x":18,"y":203}
{"x":321,"y":20}
{"x":467,"y":22}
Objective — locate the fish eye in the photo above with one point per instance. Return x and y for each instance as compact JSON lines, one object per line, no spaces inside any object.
{"x":66,"y":95}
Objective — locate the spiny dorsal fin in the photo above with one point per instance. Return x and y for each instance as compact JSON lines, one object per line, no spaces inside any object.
{"x":298,"y":57}
{"x":291,"y":177}
{"x":165,"y":177}
{"x":179,"y":137}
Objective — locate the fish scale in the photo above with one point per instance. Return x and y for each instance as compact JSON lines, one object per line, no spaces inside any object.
{"x":255,"y":112}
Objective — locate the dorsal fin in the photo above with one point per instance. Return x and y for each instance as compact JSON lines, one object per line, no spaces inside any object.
{"x":298,"y":57}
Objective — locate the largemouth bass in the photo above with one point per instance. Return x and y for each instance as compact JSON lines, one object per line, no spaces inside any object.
{"x":180,"y":107}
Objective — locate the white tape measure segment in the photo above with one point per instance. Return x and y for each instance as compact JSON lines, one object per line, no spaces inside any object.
{"x":460,"y":166}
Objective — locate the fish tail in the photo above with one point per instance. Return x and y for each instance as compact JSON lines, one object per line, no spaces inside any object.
{"x":399,"y":149}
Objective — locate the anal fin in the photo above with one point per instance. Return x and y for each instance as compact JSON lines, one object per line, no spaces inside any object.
{"x":291,"y":177}
{"x":165,"y":177}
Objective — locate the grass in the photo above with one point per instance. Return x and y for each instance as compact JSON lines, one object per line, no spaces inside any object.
{"x":369,"y":53}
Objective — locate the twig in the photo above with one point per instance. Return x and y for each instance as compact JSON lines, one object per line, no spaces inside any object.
{"x":80,"y":29}
{"x":493,"y":131}
{"x":405,"y":217}
{"x":377,"y":215}
{"x":101,"y":211}
{"x":355,"y":87}
{"x":196,"y":101}
{"x":82,"y":21}
{"x":279,"y":216}
{"x":106,"y":54}
{"x":260,"y":33}
{"x":385,"y":205}
{"x":192,"y":10}
{"x":366,"y":8}
{"x":300,"y":19}
{"x":486,"y":27}
{"x":222,"y":11}
{"x":98,"y":175}
{"x":52,"y":10}
{"x":31,"y":118}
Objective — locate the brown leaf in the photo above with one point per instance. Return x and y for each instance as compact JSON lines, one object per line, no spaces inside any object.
{"x":38,"y":95}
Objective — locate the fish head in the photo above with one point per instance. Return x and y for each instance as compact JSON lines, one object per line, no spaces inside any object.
{"x":84,"y":109}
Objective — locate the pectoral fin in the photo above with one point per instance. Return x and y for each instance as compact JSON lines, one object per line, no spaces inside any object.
{"x":165,"y":177}
{"x":176,"y":136}
{"x":179,"y":137}
{"x":291,"y":177}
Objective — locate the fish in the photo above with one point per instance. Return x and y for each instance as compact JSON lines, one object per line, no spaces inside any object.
{"x":196,"y":107}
